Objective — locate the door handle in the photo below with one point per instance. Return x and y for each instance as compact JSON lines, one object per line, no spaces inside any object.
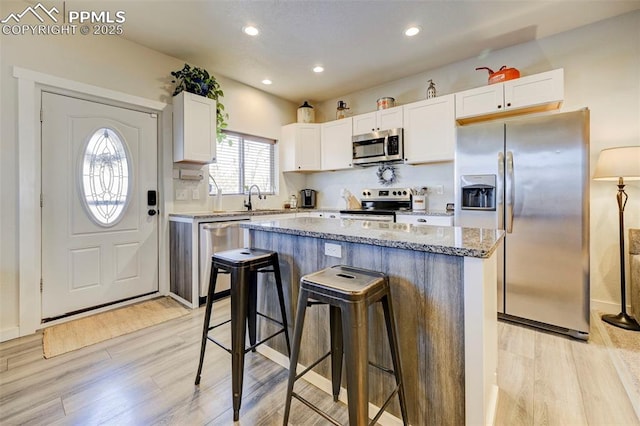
{"x":152,"y":212}
{"x":500,"y":189}
{"x":510,"y":192}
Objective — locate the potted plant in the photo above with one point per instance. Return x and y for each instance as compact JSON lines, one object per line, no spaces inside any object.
{"x":198,"y":81}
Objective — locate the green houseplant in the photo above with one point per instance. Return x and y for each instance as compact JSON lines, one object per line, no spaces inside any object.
{"x":198,"y":81}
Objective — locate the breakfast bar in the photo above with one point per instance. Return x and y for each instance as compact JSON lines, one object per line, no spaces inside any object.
{"x":443,"y":286}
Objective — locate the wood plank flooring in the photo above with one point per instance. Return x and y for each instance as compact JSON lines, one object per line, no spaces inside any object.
{"x":147,"y":378}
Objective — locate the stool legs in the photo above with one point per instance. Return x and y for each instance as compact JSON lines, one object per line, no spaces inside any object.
{"x":283,"y":309}
{"x":335,"y":321}
{"x":295,"y":352}
{"x":355,"y":329}
{"x":207,"y":318}
{"x":393,"y":344}
{"x":252,"y":307}
{"x":239,"y":305}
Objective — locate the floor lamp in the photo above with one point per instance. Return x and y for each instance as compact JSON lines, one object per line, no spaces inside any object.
{"x":620,"y":164}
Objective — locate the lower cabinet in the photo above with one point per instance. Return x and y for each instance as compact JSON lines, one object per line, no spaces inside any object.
{"x":425,"y":220}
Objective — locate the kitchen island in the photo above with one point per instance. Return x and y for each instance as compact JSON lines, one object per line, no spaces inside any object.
{"x":443,"y":284}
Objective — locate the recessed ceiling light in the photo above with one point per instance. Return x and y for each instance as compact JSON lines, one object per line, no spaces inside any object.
{"x":411,"y":31}
{"x":266,"y":81}
{"x":250,"y":30}
{"x":318,"y":68}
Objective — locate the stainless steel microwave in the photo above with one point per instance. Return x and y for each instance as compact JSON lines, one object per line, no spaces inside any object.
{"x":377,"y":147}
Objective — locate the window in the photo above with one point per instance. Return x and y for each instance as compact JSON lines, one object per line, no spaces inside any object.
{"x":105,"y":177}
{"x":242,"y":161}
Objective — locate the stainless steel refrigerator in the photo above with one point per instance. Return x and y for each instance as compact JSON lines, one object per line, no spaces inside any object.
{"x":530,"y":177}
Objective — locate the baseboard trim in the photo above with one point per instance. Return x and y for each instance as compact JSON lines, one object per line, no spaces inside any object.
{"x":324,"y":385}
{"x":606,"y":307}
{"x":9,"y":334}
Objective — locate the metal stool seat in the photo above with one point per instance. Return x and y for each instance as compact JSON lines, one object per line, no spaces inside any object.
{"x":243,"y":265}
{"x":348,"y":291}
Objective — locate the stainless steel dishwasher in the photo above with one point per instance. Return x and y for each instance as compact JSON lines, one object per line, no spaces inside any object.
{"x":216,"y":237}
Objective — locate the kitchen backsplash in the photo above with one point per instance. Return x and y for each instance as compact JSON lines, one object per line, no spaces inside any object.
{"x":330,"y":184}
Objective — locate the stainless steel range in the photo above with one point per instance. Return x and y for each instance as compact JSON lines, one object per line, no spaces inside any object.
{"x":380,"y":205}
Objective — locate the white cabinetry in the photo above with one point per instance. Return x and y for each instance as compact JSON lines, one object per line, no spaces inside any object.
{"x":194,"y":128}
{"x":300,"y":147}
{"x":425,"y":220}
{"x":538,"y":92}
{"x":430,"y":130}
{"x":336,"y":144}
{"x":383,"y":119}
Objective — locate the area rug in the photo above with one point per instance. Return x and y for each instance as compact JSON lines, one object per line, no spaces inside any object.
{"x":67,"y":337}
{"x":624,"y":348}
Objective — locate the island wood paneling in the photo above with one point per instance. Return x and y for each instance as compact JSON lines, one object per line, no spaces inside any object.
{"x":180,"y":259}
{"x":428,"y":303}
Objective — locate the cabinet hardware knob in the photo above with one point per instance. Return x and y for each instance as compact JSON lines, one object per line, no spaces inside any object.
{"x":509,"y":104}
{"x":422,"y":220}
{"x":499,"y":106}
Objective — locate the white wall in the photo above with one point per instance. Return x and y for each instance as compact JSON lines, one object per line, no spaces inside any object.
{"x":602,"y":71}
{"x":116,"y":64}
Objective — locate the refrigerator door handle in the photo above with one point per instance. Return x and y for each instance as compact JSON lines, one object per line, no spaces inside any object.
{"x":500,"y":189}
{"x":509,"y":193}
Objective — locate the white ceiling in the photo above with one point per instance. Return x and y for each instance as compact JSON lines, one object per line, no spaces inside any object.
{"x":360,"y":43}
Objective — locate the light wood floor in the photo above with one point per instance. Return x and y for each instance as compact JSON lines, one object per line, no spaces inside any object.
{"x":147,"y":378}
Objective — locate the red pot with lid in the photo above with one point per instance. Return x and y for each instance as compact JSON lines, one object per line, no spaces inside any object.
{"x":503,"y":74}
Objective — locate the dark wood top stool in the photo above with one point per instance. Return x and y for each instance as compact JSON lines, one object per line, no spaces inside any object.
{"x":348,"y":291}
{"x":243,"y":265}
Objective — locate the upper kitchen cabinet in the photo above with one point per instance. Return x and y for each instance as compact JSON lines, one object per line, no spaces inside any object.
{"x":300,"y":147}
{"x":383,"y":119}
{"x":194,"y":128}
{"x":534,"y":93}
{"x":430,"y":130}
{"x":336,"y":144}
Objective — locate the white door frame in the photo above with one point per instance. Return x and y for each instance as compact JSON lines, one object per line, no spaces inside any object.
{"x":30,"y":84}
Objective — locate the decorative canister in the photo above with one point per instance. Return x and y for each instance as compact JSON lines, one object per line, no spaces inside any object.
{"x":384,"y":103}
{"x":431,"y":90}
{"x":306,"y":113}
{"x":341,"y":111}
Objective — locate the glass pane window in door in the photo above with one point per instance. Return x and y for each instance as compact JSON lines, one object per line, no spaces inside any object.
{"x":105,"y":177}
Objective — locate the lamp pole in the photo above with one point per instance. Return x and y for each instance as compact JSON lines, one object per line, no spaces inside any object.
{"x":622,"y":320}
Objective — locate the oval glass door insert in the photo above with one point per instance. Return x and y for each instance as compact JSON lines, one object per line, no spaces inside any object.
{"x":105,"y":177}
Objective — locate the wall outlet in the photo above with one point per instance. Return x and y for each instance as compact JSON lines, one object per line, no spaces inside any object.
{"x":181,"y":194}
{"x":333,"y":250}
{"x":195,"y":194}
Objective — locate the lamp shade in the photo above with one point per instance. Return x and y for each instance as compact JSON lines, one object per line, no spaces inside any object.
{"x":621,"y":162}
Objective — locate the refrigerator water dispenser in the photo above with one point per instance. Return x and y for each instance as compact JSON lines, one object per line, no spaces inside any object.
{"x":478,"y":192}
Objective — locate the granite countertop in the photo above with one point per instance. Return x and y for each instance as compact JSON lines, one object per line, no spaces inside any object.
{"x":450,"y":240}
{"x":235,"y":213}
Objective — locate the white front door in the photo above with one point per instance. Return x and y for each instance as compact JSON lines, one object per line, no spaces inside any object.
{"x":99,"y":242}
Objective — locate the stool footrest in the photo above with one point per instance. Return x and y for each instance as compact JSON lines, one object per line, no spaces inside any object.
{"x":252,"y":347}
{"x":384,"y":406}
{"x":317,"y":410}
{"x":318,"y":361}
{"x":381,"y":368}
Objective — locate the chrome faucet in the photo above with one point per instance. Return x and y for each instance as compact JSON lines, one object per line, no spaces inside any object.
{"x":247,"y":204}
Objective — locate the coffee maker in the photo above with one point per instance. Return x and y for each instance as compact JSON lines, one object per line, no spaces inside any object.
{"x":308,"y":198}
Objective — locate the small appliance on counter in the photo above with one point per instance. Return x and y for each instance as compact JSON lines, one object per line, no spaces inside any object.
{"x":308,"y":198}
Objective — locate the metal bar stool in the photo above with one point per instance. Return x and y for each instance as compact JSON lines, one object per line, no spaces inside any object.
{"x":243,"y":265}
{"x":349,"y":292}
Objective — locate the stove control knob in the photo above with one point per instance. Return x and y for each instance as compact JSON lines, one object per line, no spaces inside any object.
{"x":394,"y":192}
{"x":364,"y":192}
{"x":368,"y":192}
{"x":404,"y":192}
